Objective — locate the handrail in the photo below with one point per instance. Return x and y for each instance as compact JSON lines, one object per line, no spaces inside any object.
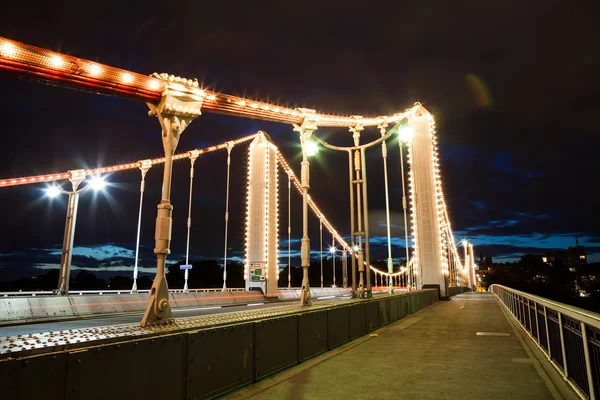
{"x":568,"y":336}
{"x":589,"y":317}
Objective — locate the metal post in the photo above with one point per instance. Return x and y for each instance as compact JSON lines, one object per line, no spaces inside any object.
{"x":229,"y":148}
{"x":360,"y":261}
{"x":344,"y":269}
{"x":321,"y":245}
{"x":76,"y":177}
{"x":305,"y":130}
{"x":145,"y":165}
{"x":588,"y":363}
{"x":366,"y":220}
{"x":289,"y":172}
{"x":333,"y":256}
{"x":547,"y":334}
{"x":529,"y":316}
{"x":352,"y":227}
{"x":390,"y":263}
{"x":193,"y":156}
{"x":562,"y":345}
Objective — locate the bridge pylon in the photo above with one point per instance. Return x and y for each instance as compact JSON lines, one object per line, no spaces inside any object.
{"x":261,"y":269}
{"x":426,"y":203}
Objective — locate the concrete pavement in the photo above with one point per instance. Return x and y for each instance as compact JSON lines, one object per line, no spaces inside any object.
{"x":463,"y":348}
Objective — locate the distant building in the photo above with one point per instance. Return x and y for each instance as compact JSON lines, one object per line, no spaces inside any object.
{"x":572,"y":258}
{"x":485,"y":264}
{"x":532,"y":259}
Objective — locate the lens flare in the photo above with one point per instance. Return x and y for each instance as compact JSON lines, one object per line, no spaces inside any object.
{"x":480,"y":91}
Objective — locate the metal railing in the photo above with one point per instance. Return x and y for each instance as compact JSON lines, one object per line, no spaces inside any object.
{"x":568,"y":336}
{"x":108,"y":292}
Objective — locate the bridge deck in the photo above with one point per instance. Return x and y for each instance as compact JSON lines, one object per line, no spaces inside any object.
{"x":463,"y":348}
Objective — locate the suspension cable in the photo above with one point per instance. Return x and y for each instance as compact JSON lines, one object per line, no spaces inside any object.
{"x":321,"y":244}
{"x":193,"y":158}
{"x":115,"y":168}
{"x":289,"y":230}
{"x":229,"y":148}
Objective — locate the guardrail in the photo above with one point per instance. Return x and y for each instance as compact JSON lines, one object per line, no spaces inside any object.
{"x":108,"y":292}
{"x":568,"y":336}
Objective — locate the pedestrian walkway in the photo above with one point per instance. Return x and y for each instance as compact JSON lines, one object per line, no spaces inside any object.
{"x":464,"y":348}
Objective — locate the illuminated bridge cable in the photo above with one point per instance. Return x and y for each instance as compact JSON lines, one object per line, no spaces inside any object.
{"x":326,"y":223}
{"x":321,"y":246}
{"x":27,"y":180}
{"x":145,"y":165}
{"x":41,"y":64}
{"x":289,"y":229}
{"x":193,"y":156}
{"x":229,"y":148}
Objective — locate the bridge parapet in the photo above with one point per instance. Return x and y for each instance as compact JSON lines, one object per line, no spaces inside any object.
{"x":567,"y":335}
{"x":201,"y":357}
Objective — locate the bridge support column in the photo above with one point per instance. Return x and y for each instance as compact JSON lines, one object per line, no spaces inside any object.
{"x":426,"y":204}
{"x":262,"y":269}
{"x":179,"y":106}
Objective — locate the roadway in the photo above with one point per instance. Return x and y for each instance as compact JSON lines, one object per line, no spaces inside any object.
{"x":93,"y":321}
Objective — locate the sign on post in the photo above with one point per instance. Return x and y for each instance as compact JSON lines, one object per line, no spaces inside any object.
{"x":185,"y":266}
{"x":256,"y":271}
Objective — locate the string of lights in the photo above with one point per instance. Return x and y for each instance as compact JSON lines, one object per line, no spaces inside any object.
{"x":64,"y":70}
{"x":115,"y":168}
{"x":317,"y":211}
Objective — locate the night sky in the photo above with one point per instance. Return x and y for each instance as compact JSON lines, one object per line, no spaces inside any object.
{"x":514,"y":87}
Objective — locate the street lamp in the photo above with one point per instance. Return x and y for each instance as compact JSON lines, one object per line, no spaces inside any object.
{"x":305,"y":130}
{"x":76,"y":177}
{"x":332,"y":250}
{"x":406,"y":135}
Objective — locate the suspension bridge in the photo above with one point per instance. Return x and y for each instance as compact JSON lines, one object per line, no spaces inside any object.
{"x":279,"y":324}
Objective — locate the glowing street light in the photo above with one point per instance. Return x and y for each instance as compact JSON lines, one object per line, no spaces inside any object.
{"x":52,"y":191}
{"x":332,"y":250}
{"x":97,"y":183}
{"x":311,"y":148}
{"x":76,"y":177}
{"x":406,"y":134}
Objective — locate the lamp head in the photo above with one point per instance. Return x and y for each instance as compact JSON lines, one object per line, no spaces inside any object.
{"x":97,"y":183}
{"x":406,"y":134}
{"x":52,"y":191}
{"x":311,"y":148}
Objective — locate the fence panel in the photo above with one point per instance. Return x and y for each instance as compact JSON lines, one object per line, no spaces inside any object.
{"x":219,"y":360}
{"x":93,"y":373}
{"x":312,"y":334}
{"x":276,"y":345}
{"x":34,"y":378}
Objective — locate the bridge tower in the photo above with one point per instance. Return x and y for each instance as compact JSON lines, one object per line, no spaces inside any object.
{"x":426,"y":204}
{"x":261,"y":268}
